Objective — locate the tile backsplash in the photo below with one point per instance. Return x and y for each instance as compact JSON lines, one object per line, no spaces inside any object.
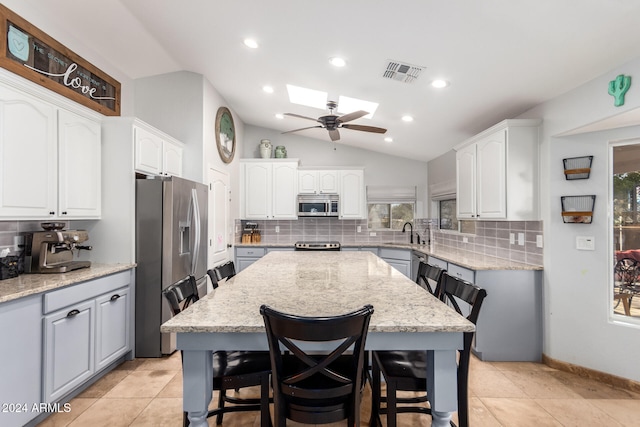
{"x":11,"y":229}
{"x":484,"y":237}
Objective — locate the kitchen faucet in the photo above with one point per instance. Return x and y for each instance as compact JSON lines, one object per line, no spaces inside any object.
{"x":410,"y":229}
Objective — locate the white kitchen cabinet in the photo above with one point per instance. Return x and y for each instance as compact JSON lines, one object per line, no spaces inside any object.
{"x":50,"y":162}
{"x":497,"y":173}
{"x":156,"y":153}
{"x":28,"y":179}
{"x":79,"y":161}
{"x":269,"y":189}
{"x":21,"y":359}
{"x":318,"y":181}
{"x":87,"y":327}
{"x":352,"y":194}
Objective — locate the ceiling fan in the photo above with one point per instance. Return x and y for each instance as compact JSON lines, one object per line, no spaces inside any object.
{"x":333,"y":122}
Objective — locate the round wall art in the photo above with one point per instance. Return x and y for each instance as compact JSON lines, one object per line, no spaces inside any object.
{"x":225,"y":134}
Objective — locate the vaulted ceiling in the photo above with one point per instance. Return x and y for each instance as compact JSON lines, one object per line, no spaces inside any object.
{"x":501,"y":57}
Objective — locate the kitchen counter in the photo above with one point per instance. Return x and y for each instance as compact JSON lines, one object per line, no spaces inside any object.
{"x":470,"y":260}
{"x":31,"y":284}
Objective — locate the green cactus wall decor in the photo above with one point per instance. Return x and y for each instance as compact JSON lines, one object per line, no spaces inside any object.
{"x":618,"y":88}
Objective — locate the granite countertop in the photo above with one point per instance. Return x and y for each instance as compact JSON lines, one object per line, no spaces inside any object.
{"x":470,"y":260}
{"x":319,"y":284}
{"x":31,"y":284}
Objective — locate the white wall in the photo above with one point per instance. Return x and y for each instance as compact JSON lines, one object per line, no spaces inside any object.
{"x":578,"y":326}
{"x":380,"y":169}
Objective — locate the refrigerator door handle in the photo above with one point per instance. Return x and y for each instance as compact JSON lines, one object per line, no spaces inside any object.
{"x":196,"y":241}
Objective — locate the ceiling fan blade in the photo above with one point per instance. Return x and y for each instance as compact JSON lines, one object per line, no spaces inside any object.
{"x":299,"y":116}
{"x":334,"y":134}
{"x":365,"y":128}
{"x":296,"y":130}
{"x":352,"y":116}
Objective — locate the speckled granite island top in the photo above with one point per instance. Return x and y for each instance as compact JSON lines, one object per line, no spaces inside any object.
{"x":31,"y":284}
{"x":319,"y":283}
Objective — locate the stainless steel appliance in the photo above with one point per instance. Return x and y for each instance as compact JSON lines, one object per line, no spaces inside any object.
{"x":317,"y":246}
{"x":171,"y":244}
{"x":318,"y":204}
{"x":52,"y":250}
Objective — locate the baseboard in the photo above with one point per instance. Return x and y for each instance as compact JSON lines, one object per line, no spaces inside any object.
{"x":603,"y":377}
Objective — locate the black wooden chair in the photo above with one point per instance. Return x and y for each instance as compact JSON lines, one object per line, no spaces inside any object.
{"x":221,"y":272}
{"x":429,"y":277}
{"x":406,"y":370}
{"x":231,"y":369}
{"x":317,"y":388}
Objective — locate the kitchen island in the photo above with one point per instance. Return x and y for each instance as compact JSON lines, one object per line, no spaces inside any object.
{"x":311,"y":284}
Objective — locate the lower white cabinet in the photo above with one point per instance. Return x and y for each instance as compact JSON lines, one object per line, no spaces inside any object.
{"x":86,"y":327}
{"x":20,"y":359}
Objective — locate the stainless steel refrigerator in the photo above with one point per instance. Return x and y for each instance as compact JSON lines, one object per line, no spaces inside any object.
{"x":171,"y":244}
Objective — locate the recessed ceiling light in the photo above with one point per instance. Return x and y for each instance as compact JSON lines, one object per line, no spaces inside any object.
{"x":279,"y":116}
{"x":348,"y":105}
{"x":407,"y":118}
{"x":251,"y":43}
{"x":267,"y":89}
{"x":387,"y":139}
{"x":337,"y":62}
{"x":309,"y":97}
{"x":439,"y":83}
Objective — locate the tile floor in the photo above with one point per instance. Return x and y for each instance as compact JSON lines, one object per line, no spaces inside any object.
{"x":147,"y":392}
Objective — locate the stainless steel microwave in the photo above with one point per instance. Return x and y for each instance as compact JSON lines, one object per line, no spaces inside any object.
{"x":318,"y":205}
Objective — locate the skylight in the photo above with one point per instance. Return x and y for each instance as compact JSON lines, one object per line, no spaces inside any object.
{"x":309,"y":97}
{"x":348,"y":105}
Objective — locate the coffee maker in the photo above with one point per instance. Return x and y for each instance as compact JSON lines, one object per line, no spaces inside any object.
{"x":51,"y":251}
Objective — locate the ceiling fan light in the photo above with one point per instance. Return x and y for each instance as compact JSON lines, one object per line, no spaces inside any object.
{"x":439,"y":83}
{"x":388,"y":139}
{"x":267,"y":89}
{"x":279,"y":116}
{"x":337,"y":61}
{"x":251,"y":43}
{"x":407,"y":119}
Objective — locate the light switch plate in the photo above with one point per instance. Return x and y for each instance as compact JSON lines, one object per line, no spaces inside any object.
{"x":521,"y":239}
{"x":585,"y":243}
{"x":277,"y":228}
{"x":512,"y":238}
{"x":359,"y":229}
{"x":539,"y":240}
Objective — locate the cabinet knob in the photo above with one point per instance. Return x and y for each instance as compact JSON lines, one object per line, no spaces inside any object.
{"x":52,"y":213}
{"x":73,"y":313}
{"x":64,"y":213}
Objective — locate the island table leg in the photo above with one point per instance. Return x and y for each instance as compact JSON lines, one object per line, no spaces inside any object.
{"x":197,"y":385}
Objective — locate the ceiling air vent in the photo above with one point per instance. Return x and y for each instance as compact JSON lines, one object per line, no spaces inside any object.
{"x":402,"y":72}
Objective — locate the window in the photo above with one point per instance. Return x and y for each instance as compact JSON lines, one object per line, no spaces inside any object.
{"x":447,"y":214}
{"x":390,"y":216}
{"x":390,"y":207}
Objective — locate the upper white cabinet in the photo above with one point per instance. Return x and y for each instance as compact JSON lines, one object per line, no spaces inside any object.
{"x":49,"y":162}
{"x":318,"y":181}
{"x":352,"y":194}
{"x":79,"y":175}
{"x":497,"y":173}
{"x":155,"y":152}
{"x":269,"y":189}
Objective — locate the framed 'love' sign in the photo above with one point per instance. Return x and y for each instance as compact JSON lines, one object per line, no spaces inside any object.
{"x":27,"y":51}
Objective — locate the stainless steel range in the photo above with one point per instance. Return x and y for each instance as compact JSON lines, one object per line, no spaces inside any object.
{"x":317,"y":246}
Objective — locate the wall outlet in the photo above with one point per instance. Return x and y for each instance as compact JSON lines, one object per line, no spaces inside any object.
{"x":521,"y":239}
{"x":512,"y":238}
{"x":465,"y":240}
{"x":585,"y":243}
{"x":372,"y":233}
{"x":539,"y":240}
{"x":359,"y":228}
{"x":277,"y":228}
{"x":17,"y":241}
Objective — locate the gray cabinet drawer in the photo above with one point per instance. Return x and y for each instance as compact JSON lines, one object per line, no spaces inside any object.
{"x":462,"y":273}
{"x":437,"y":262}
{"x":83,"y":291}
{"x":250,"y":252}
{"x":403,"y":254}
